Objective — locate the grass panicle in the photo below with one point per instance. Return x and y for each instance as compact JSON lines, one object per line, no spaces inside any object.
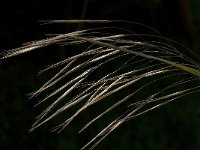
{"x":113,"y":60}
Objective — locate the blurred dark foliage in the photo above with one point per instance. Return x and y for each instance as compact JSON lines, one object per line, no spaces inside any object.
{"x":175,"y":126}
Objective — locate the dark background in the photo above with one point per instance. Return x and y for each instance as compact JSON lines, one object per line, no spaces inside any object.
{"x":175,"y":126}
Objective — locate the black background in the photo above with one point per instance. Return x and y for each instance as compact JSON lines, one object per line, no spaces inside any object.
{"x":175,"y":126}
